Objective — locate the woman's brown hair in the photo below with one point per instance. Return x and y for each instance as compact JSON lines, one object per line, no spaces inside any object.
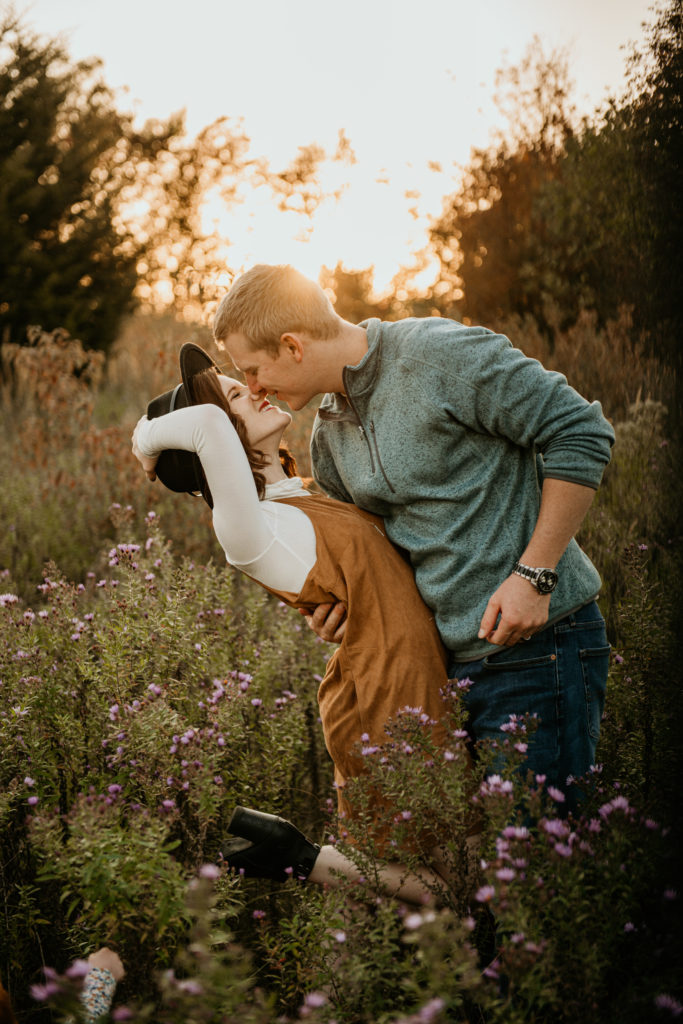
{"x":207,"y":390}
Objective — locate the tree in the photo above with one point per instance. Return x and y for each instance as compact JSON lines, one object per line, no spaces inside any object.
{"x":559,"y":218}
{"x":489,"y":232}
{"x":90,"y":206}
{"x":655,"y":118}
{"x":65,"y":156}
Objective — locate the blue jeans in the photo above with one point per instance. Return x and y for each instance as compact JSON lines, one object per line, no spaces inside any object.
{"x":560,"y":675}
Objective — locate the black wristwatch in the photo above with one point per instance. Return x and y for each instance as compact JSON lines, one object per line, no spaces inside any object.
{"x":544,"y":580}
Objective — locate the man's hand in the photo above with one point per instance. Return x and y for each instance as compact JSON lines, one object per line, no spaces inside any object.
{"x":328,"y":621}
{"x":521,"y":608}
{"x":147,"y":462}
{"x":522,"y":611}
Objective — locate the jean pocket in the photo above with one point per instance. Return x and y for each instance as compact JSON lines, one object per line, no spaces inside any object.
{"x":508,"y":664}
{"x":594,"y":666}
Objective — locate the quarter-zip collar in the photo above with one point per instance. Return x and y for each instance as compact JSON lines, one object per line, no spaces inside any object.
{"x":359,"y":383}
{"x":358,"y":379}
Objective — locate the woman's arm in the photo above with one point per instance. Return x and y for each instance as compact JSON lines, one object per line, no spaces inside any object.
{"x":273,"y":543}
{"x":241,"y":528}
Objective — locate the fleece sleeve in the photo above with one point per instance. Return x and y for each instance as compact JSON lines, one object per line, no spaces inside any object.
{"x":495,"y":389}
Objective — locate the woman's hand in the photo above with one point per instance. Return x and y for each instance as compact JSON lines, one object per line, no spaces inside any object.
{"x":148,"y":462}
{"x":108,"y":960}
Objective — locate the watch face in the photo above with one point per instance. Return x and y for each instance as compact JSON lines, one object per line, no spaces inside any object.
{"x":546,"y":582}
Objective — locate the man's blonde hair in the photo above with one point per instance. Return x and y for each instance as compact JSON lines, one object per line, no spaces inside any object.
{"x":268,"y":301}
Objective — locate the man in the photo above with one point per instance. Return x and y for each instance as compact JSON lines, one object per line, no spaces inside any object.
{"x":483,"y":465}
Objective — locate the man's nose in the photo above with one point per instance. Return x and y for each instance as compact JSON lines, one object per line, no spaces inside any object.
{"x":253,"y":385}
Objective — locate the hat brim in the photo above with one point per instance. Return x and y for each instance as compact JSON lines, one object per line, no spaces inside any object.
{"x":182,"y":471}
{"x":193,"y":360}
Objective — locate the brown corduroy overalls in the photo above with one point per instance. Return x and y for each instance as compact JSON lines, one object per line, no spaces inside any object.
{"x":391,"y":655}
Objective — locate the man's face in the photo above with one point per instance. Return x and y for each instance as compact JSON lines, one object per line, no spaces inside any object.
{"x":283,"y":376}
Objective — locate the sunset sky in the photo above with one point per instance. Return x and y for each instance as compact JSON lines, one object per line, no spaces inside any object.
{"x":408,"y":82}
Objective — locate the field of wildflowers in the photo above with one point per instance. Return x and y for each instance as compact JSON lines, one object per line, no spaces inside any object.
{"x":145,"y":690}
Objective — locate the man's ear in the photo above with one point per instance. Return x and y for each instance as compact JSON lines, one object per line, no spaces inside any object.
{"x":293,"y":344}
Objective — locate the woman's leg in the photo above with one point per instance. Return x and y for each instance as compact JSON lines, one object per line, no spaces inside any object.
{"x":267,"y":846}
{"x":413,"y":886}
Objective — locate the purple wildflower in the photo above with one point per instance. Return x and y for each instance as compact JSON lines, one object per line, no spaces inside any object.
{"x":209,"y":871}
{"x":430,"y":1010}
{"x":485,"y":894}
{"x":191,"y":986}
{"x":44,"y":992}
{"x":314,"y":1000}
{"x":78,"y":969}
{"x":506,"y":874}
{"x":555,"y":827}
{"x":667,"y":1002}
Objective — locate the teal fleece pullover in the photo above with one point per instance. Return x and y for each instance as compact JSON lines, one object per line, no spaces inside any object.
{"x":447,"y":432}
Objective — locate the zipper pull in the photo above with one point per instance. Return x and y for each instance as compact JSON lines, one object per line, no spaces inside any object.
{"x":362,"y":432}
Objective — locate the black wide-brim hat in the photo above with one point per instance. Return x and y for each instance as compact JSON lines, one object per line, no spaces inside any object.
{"x":179,"y":470}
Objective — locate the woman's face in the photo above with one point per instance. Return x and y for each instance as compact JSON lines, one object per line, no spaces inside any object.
{"x":263,"y":422}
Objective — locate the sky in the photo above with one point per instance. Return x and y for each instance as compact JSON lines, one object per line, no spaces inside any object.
{"x":410,"y":82}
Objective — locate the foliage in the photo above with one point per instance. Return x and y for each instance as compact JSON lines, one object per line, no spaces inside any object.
{"x":137,"y":710}
{"x":489,"y":233}
{"x":654,"y":114}
{"x":66,"y":159}
{"x":98,"y":213}
{"x":65,"y":471}
{"x":123,"y":752}
{"x":575,"y":217}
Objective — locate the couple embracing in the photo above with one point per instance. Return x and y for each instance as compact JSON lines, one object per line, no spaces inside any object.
{"x":434,"y":440}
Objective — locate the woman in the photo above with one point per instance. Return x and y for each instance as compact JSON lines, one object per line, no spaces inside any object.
{"x":308,"y":550}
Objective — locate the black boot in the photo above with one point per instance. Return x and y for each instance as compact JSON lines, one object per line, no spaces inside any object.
{"x":266,"y":846}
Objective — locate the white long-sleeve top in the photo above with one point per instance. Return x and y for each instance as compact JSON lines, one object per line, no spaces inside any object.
{"x":270,"y":541}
